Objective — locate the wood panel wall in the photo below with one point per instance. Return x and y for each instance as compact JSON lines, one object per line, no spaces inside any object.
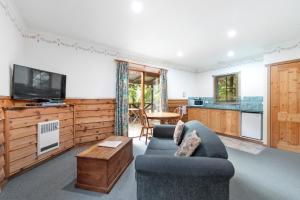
{"x":2,"y":149}
{"x":21,"y":135}
{"x":5,"y":102}
{"x":94,"y":119}
{"x":175,"y":103}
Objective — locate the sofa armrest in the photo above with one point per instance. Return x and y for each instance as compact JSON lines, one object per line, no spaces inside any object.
{"x":163,"y":131}
{"x":184,"y":166}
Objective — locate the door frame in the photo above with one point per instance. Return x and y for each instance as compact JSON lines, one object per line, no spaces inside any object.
{"x":269,"y":132}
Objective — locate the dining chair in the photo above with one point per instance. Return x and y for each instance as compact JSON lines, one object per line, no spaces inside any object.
{"x":145,"y":125}
{"x":179,"y":111}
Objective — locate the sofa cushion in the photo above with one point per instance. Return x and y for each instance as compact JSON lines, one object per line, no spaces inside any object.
{"x":162,"y":152}
{"x":178,"y":132}
{"x":162,"y":144}
{"x":188,"y":145}
{"x":211,"y":145}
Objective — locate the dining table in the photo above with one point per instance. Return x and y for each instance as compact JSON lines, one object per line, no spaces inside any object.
{"x":163,"y":116}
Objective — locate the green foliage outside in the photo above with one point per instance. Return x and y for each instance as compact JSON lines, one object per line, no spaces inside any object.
{"x":227,"y":88}
{"x":134,"y":92}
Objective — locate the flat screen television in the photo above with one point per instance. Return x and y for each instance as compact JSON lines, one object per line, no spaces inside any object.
{"x":34,"y":84}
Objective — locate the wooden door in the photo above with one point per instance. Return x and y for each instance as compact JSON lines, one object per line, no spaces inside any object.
{"x":285,"y":106}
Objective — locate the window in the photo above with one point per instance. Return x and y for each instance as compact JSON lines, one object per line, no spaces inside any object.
{"x":226,"y":88}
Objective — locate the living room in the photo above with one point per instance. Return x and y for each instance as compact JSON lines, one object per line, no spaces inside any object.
{"x":149,"y":99}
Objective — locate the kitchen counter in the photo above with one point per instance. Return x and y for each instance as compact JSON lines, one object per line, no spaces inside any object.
{"x":228,"y":107}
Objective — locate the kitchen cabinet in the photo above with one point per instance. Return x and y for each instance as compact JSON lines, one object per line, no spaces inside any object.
{"x":231,"y":123}
{"x":221,"y":121}
{"x":198,"y":114}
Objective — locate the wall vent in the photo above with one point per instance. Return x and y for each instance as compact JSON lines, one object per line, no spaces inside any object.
{"x":48,"y":136}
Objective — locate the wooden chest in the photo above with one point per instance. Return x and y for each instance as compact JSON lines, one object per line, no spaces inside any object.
{"x":99,"y":168}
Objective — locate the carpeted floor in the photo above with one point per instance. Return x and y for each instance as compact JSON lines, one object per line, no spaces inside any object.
{"x":271,"y":175}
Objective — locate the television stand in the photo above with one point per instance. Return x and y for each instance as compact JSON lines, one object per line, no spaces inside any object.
{"x":49,"y":104}
{"x":45,"y":104}
{"x":34,"y":104}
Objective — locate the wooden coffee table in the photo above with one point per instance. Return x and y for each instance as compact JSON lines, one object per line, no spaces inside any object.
{"x":99,"y":168}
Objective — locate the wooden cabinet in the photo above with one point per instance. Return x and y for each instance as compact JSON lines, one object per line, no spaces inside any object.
{"x":94,"y":119}
{"x":21,"y":134}
{"x":198,"y":114}
{"x":215,"y":118}
{"x":2,"y":150}
{"x":231,"y":123}
{"x":221,"y":121}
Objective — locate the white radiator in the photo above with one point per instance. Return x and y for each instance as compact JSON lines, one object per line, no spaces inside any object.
{"x":48,"y":136}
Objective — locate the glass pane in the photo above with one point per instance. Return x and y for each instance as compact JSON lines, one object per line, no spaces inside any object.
{"x":221,"y":88}
{"x":152,"y":92}
{"x":226,"y":88}
{"x":231,"y":87}
{"x":134,"y":89}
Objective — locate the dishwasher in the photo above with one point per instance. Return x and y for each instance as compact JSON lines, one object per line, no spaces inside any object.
{"x":252,"y":125}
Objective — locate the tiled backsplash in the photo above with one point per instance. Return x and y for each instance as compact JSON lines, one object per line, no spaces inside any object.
{"x":250,"y":103}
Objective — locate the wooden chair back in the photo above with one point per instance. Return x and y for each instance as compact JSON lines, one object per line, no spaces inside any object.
{"x":144,"y":119}
{"x":179,"y":111}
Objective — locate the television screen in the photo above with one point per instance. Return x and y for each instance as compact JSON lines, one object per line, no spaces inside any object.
{"x":34,"y":84}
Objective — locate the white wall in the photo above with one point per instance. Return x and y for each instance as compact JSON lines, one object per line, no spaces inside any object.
{"x":10,"y":51}
{"x":93,"y":75}
{"x":181,"y":84}
{"x":281,"y":56}
{"x":88,"y":75}
{"x":252,"y":80}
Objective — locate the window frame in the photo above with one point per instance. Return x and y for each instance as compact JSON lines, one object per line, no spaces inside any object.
{"x":215,"y":79}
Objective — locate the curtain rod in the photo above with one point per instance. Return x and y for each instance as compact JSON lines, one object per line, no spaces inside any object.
{"x":118,"y":60}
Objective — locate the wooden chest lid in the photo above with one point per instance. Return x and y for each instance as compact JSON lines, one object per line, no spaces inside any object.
{"x":104,"y":153}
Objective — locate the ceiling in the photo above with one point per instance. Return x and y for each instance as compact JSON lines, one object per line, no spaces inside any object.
{"x":198,"y":28}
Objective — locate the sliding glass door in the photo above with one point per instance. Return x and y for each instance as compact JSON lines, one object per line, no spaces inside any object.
{"x":135,"y":89}
{"x":151,"y":92}
{"x":144,"y":92}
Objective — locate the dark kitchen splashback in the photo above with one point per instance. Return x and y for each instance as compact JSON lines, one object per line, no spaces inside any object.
{"x":246,"y":104}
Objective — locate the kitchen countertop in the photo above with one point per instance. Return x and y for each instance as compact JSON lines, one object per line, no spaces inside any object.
{"x":227,"y":107}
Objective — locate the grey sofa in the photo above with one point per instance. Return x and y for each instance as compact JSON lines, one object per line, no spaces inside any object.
{"x":162,"y":176}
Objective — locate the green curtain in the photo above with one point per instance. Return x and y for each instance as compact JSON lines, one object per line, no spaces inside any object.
{"x":121,"y":116}
{"x":163,"y":90}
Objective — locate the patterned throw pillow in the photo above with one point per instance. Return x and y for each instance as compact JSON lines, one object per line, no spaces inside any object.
{"x":188,"y":145}
{"x":178,"y":132}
